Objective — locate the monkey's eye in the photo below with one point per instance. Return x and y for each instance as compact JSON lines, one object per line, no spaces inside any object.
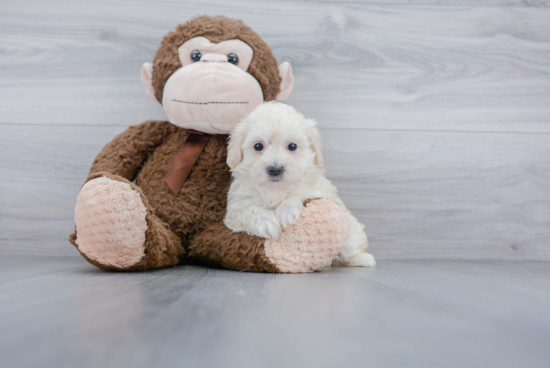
{"x":258,"y":147}
{"x":292,"y":147}
{"x":233,"y":59}
{"x":196,"y":55}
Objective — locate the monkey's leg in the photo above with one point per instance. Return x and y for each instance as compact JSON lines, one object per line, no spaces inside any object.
{"x":116,"y":229}
{"x":309,"y":244}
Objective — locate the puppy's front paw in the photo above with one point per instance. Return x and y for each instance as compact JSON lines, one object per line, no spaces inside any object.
{"x":265,"y":225}
{"x":289,"y":211}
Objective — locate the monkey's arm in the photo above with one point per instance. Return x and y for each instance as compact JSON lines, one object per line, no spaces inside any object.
{"x":309,"y":244}
{"x":127,"y":152}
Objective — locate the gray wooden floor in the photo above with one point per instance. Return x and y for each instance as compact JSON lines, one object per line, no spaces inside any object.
{"x":62,"y":312}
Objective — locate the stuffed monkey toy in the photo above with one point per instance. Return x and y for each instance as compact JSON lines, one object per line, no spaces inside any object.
{"x":156,"y":194}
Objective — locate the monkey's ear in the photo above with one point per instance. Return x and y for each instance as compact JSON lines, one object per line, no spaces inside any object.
{"x":316,"y":145}
{"x":287,"y":81}
{"x":235,"y":148}
{"x":147,"y":79}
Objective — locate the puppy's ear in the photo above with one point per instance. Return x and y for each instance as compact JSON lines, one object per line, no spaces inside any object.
{"x":235,"y":148}
{"x":316,"y":145}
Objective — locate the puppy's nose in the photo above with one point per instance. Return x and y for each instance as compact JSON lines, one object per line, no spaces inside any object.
{"x":275,"y":170}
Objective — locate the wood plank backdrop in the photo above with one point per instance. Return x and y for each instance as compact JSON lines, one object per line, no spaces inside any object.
{"x":435,"y":117}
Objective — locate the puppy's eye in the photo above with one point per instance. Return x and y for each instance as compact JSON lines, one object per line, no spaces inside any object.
{"x":258,"y":147}
{"x":233,"y":59}
{"x":196,"y":55}
{"x":292,"y":147}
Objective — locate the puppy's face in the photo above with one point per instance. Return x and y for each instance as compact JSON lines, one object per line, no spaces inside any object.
{"x":275,"y":144}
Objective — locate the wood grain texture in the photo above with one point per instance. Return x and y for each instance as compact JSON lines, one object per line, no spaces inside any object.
{"x":436,"y":117}
{"x":484,"y":3}
{"x":436,"y":195}
{"x":66,"y":313}
{"x":357,"y":65}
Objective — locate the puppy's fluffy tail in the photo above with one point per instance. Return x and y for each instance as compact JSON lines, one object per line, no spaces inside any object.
{"x":354,"y":253}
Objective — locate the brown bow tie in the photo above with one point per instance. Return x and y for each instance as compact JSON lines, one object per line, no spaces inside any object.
{"x":185,"y":159}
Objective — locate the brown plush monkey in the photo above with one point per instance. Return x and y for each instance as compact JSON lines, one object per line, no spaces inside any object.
{"x":156,"y":194}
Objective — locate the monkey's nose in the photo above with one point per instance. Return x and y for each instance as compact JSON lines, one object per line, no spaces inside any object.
{"x":214,"y":57}
{"x":275,"y":170}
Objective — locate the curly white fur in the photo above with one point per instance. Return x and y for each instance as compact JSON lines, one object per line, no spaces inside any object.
{"x":261,"y":203}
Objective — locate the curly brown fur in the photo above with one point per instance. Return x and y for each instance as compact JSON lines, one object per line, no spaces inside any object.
{"x":203,"y":197}
{"x":127,"y":152}
{"x":239,"y":251}
{"x":217,"y":29}
{"x":151,"y":148}
{"x":178,"y":222}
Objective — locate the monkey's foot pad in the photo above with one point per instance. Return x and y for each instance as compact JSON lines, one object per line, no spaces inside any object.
{"x":110,"y":222}
{"x":313,"y":241}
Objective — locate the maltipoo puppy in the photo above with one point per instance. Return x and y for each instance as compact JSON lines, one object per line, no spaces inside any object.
{"x":276,"y":162}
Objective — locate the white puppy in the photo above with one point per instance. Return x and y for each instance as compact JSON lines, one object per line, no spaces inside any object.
{"x":276,"y":161}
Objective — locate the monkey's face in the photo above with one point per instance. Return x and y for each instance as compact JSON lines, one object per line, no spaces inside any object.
{"x":212,"y":91}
